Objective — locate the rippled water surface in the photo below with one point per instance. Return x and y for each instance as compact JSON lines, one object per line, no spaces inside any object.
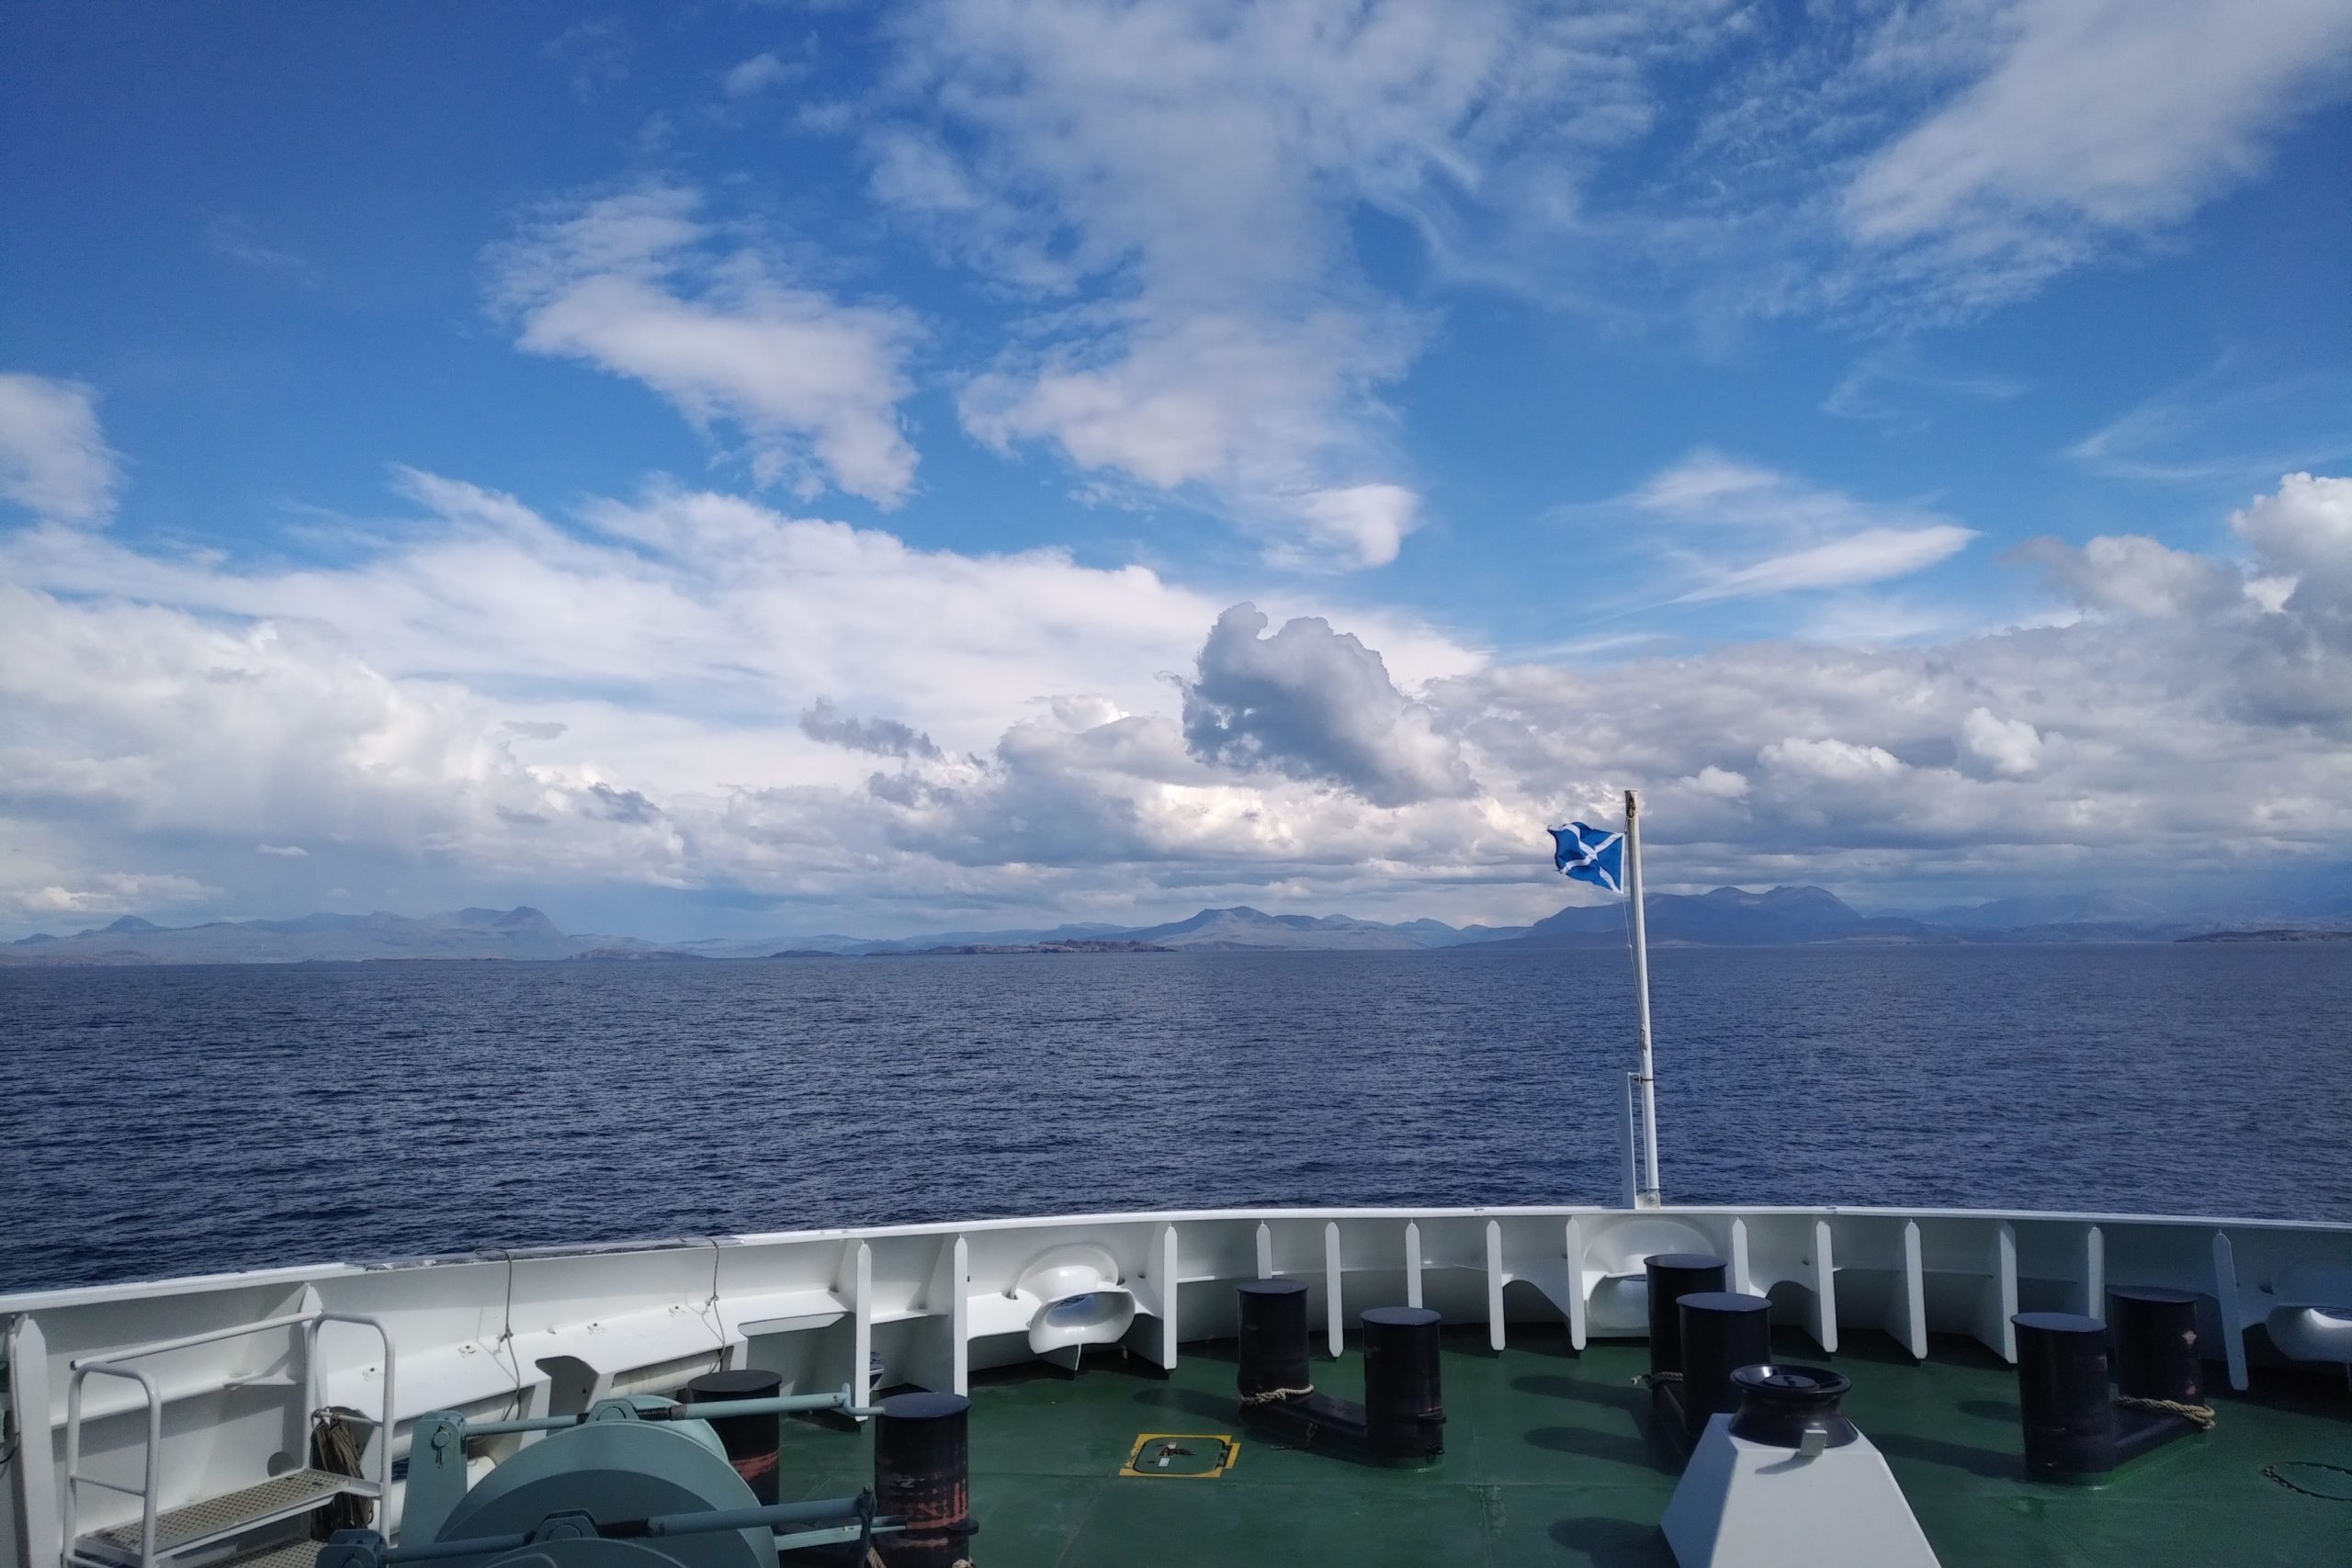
{"x":174,"y":1119}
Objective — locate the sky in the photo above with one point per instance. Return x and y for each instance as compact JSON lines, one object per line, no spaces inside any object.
{"x":733,"y":468}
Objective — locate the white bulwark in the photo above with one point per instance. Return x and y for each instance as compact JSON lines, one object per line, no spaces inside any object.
{"x":195,"y":1394}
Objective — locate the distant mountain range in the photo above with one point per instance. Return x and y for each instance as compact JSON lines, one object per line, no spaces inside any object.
{"x":1727,"y":917}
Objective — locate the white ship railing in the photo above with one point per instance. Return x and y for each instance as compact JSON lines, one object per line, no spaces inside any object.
{"x":528,"y":1333}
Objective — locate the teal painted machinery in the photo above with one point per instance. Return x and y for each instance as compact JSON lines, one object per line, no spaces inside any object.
{"x":632,"y":1484}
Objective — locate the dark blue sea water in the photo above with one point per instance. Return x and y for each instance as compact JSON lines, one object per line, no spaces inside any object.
{"x":171,"y":1120}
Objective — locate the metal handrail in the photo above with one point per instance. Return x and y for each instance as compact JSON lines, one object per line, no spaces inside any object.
{"x":312,"y":1391}
{"x":110,"y":1364}
{"x":74,"y":1477}
{"x":211,"y":1335}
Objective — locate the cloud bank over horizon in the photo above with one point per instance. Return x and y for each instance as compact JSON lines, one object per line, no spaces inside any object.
{"x":1107,"y":741}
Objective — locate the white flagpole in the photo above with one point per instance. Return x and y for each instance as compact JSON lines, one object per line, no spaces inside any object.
{"x":1649,"y":1197}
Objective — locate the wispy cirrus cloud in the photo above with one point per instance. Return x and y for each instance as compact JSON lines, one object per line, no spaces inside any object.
{"x":640,"y":285}
{"x":1892,"y":388}
{"x":2228,"y":423}
{"x":2098,"y":122}
{"x":1865,"y":555}
{"x":232,"y":239}
{"x":1196,"y":168}
{"x":1720,"y":509}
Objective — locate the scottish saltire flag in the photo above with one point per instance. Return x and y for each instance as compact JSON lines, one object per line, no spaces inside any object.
{"x":1590,"y":854}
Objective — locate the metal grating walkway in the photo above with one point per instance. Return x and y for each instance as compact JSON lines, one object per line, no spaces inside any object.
{"x":215,"y":1519}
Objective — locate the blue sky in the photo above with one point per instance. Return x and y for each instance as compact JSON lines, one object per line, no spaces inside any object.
{"x":1903,"y":439}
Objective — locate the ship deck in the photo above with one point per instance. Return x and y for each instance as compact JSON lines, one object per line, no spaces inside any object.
{"x":1554,"y":1457}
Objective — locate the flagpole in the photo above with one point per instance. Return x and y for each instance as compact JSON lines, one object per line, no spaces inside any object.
{"x":1650,"y":1196}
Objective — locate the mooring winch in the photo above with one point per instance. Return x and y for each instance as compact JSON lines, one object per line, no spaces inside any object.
{"x":648,"y":1482}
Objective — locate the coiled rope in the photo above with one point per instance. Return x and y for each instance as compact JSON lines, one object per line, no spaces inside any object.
{"x":2200,"y":1415}
{"x":1653,"y":1380}
{"x":335,"y":1448}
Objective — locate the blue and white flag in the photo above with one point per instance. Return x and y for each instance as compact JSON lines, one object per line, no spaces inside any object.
{"x":1590,"y":854}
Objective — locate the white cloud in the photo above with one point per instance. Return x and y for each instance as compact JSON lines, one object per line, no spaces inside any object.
{"x":757,"y":74}
{"x":1198,"y":165}
{"x":2137,"y":576}
{"x":2304,"y":531}
{"x":639,"y":286}
{"x":53,"y":459}
{"x":1314,"y":704}
{"x":1720,"y":783}
{"x":2097,"y":118}
{"x":1869,"y":555}
{"x":2008,"y":747}
{"x":533,"y":707}
{"x":1831,"y":761}
{"x":283,"y":852}
{"x":1837,"y":541}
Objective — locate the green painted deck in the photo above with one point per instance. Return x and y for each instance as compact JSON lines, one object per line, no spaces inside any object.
{"x":1553,"y":1457}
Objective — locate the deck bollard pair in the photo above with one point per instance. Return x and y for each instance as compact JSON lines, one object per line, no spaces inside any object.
{"x":1403,"y":1413}
{"x":1701,"y":1333}
{"x":921,"y":1461}
{"x":2075,"y":1428}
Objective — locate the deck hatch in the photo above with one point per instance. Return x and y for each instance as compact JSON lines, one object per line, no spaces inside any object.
{"x":1195,"y":1455}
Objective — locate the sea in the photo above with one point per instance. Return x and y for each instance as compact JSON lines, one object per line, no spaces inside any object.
{"x":177,"y":1120}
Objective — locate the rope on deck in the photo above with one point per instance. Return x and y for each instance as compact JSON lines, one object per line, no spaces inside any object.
{"x":1653,"y":1380}
{"x":2200,"y":1415}
{"x":1272,"y":1394}
{"x":335,"y":1448}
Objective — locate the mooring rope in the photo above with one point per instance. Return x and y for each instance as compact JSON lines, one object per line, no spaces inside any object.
{"x":1272,"y":1394}
{"x":1652,"y":1380}
{"x":2201,"y":1415}
{"x":336,"y":1449}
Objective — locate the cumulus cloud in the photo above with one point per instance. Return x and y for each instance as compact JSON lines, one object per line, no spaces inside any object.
{"x":2134,"y":575}
{"x":2304,"y":530}
{"x":639,"y":285}
{"x":2008,"y":747}
{"x":1315,"y":704}
{"x":881,"y":737}
{"x":53,"y":459}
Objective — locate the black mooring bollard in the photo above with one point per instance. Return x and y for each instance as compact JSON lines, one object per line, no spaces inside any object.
{"x":922,"y":1466}
{"x":750,"y":1441}
{"x":1404,"y":1410}
{"x":1722,"y":1331}
{"x":1672,"y":1276}
{"x":2156,"y":1344}
{"x":1274,"y":1339}
{"x":2062,"y":1397}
